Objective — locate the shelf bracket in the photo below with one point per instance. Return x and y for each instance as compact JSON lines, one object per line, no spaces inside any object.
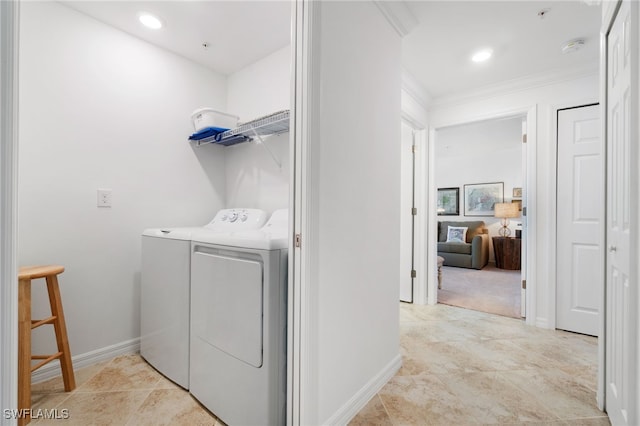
{"x":273,"y":157}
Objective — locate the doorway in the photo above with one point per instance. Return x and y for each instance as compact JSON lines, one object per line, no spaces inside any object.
{"x":528,"y":187}
{"x":479,"y":179}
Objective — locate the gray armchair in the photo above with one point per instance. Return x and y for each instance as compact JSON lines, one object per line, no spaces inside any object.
{"x":473,"y":253}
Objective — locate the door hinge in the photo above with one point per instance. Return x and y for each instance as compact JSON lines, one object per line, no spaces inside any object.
{"x":524,"y":211}
{"x":414,"y":211}
{"x":524,"y":284}
{"x":524,"y":138}
{"x":298,"y":240}
{"x":414,"y":148}
{"x":413,"y":273}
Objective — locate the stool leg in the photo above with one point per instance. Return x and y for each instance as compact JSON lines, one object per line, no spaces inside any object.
{"x":24,"y":350}
{"x":61,"y":333}
{"x":440,"y":277}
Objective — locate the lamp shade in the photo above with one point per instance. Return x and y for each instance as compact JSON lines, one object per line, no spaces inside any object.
{"x":507,"y":210}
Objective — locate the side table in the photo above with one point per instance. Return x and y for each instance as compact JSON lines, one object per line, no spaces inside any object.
{"x":507,"y":252}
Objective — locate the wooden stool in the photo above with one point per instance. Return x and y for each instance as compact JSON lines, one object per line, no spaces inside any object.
{"x":26,"y":324}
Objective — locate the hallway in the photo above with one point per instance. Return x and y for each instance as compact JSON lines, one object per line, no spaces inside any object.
{"x":466,"y":367}
{"x":460,"y":367}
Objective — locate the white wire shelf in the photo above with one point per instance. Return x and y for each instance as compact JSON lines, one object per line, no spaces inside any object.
{"x":272,"y":124}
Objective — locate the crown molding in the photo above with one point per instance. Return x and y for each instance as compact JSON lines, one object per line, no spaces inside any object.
{"x":516,"y":85}
{"x":414,"y":89}
{"x":399,"y":16}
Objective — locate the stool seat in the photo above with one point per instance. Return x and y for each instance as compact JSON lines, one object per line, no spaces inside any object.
{"x":34,"y":272}
{"x":26,"y":324}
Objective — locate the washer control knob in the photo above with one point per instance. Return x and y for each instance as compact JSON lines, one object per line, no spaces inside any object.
{"x":233,"y":217}
{"x":243,"y":217}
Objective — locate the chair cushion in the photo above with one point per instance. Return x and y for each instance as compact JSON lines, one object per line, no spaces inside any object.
{"x":461,"y":248}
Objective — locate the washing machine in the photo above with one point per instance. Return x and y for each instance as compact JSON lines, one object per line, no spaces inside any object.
{"x":238,"y":323}
{"x":165,"y":289}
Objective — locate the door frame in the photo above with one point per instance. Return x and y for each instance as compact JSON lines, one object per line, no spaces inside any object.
{"x":412,"y":114}
{"x":419,"y":291}
{"x":529,"y":196}
{"x":411,"y":222}
{"x":9,"y":32}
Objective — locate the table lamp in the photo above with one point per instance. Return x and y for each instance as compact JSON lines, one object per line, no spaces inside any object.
{"x":505,"y":211}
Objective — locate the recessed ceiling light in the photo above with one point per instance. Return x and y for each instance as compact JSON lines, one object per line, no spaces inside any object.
{"x":482,"y":55}
{"x":150,"y":21}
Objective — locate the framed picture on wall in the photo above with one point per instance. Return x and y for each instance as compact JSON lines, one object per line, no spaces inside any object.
{"x":448,"y":201}
{"x":517,"y":192}
{"x":480,"y":198}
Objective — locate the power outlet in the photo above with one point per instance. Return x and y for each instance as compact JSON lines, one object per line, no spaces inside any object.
{"x":104,"y":198}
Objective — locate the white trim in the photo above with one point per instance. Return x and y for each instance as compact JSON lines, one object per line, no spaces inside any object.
{"x":87,"y":359}
{"x":420,"y":287}
{"x":516,"y":85}
{"x":293,"y":367}
{"x":9,"y":33}
{"x":414,"y":89}
{"x":530,"y":196}
{"x":432,"y":220}
{"x":542,"y":323}
{"x":303,"y":316}
{"x":360,"y":399}
{"x":398,"y":15}
{"x":602,"y":334}
{"x":476,"y":118}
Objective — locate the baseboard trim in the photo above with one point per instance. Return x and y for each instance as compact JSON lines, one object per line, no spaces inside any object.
{"x":349,"y":410}
{"x":543,"y":323}
{"x":52,"y":370}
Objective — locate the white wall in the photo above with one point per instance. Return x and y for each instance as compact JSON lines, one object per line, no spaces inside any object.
{"x":354,"y":221}
{"x":262,"y":87}
{"x":101,"y":109}
{"x":487,"y":151}
{"x":253,"y":178}
{"x":547,"y":98}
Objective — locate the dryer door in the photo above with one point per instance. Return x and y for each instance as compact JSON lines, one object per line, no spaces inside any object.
{"x":227,"y":295}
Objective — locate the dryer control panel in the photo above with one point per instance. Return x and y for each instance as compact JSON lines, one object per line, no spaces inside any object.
{"x":238,"y":220}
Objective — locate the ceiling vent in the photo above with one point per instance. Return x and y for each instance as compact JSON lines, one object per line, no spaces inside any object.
{"x":572,"y":45}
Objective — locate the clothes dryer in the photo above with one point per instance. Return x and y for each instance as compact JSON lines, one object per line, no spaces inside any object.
{"x":238,"y":323}
{"x":165,"y":289}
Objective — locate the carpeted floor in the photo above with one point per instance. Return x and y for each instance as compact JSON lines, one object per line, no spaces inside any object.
{"x":492,"y":290}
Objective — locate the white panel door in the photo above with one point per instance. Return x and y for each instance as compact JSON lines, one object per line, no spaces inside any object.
{"x":621,"y":291}
{"x":579,"y":220}
{"x":407,"y":218}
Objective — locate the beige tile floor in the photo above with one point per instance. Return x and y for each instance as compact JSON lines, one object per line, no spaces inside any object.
{"x":123,"y":391}
{"x":460,"y":367}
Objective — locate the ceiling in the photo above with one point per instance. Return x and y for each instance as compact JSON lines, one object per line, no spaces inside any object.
{"x":238,"y":33}
{"x":436,"y":53}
